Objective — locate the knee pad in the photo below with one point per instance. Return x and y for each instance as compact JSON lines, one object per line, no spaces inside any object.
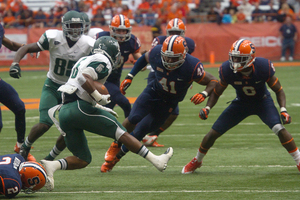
{"x":277,"y":128}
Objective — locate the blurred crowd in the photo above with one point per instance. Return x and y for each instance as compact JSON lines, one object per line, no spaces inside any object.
{"x":250,"y":11}
{"x":15,"y":13}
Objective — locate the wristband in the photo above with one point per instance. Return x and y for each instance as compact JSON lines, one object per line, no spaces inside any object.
{"x":130,"y":75}
{"x":205,"y":93}
{"x":207,"y":107}
{"x":96,"y":95}
{"x":282,"y":109}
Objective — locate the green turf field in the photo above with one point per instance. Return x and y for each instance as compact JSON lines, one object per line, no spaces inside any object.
{"x":248,"y":162}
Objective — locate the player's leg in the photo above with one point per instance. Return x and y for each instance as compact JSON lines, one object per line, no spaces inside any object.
{"x":150,"y":122}
{"x":57,"y":149}
{"x":10,"y":98}
{"x":151,"y":138}
{"x":77,"y":144}
{"x":271,"y":117}
{"x":229,"y":118}
{"x":104,"y":124}
{"x":141,"y":108}
{"x":49,"y":98}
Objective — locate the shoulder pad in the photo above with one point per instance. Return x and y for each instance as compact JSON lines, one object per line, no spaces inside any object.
{"x":53,"y":33}
{"x":90,"y":41}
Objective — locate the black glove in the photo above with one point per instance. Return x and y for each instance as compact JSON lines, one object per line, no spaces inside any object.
{"x":204,"y":113}
{"x":15,"y":70}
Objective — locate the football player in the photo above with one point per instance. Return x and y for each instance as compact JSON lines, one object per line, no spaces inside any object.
{"x":120,"y":29}
{"x":15,"y":173}
{"x":174,"y":27}
{"x":92,"y":32}
{"x":10,"y":98}
{"x":175,"y":70}
{"x":81,"y":111}
{"x":65,"y":48}
{"x":248,"y":75}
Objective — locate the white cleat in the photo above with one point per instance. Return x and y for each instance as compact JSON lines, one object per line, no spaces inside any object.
{"x":162,"y":160}
{"x":50,"y":170}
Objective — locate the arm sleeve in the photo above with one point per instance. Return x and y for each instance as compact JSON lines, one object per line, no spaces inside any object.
{"x":139,"y":65}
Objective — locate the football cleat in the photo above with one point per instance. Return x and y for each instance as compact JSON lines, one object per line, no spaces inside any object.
{"x":111,"y":153}
{"x":155,"y":144}
{"x":50,"y":180}
{"x":298,"y":166}
{"x":191,"y":166}
{"x":24,"y":153}
{"x":162,"y":160}
{"x":107,"y":166}
{"x":149,"y":139}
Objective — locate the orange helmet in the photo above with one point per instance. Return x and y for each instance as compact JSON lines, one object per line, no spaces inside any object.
{"x":175,"y":27}
{"x":173,"y":52}
{"x":241,"y":55}
{"x":120,"y":28}
{"x":33,"y":176}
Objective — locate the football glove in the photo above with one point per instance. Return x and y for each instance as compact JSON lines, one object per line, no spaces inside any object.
{"x":105,"y":99}
{"x":285,"y":117}
{"x":126,"y":83}
{"x":108,"y":110}
{"x":102,"y":99}
{"x":199,"y":98}
{"x":204,"y":113}
{"x":15,"y":70}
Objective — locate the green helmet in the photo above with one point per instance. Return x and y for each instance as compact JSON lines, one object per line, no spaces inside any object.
{"x":87,"y":21}
{"x":73,"y":25}
{"x":109,"y":47}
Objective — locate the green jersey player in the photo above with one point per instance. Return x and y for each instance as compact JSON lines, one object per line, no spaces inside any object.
{"x":81,"y":111}
{"x":66,"y":47}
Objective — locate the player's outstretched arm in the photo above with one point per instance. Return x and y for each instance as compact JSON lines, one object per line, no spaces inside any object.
{"x":210,"y":81}
{"x":138,"y":66}
{"x":275,"y":85}
{"x":213,"y":99}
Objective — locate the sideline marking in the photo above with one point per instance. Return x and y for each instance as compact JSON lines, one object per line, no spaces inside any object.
{"x":180,"y":191}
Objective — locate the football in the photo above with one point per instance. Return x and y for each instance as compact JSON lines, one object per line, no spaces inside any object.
{"x":101,"y":88}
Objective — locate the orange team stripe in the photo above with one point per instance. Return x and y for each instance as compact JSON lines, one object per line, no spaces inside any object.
{"x":31,"y":104}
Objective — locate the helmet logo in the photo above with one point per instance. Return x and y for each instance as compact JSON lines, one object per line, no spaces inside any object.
{"x":33,"y":181}
{"x":75,"y":19}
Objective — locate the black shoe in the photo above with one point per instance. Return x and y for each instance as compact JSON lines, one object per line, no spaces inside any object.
{"x":24,"y":151}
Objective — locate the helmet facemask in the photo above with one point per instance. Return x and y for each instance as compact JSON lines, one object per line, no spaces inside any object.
{"x":73,"y":30}
{"x":241,"y":55}
{"x":173,"y":52}
{"x":120,"y":28}
{"x":120,"y":34}
{"x":73,"y":25}
{"x":172,"y":61}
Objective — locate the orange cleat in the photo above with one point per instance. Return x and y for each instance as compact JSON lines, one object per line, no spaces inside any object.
{"x":108,"y":166}
{"x":29,"y":156}
{"x":191,"y":166}
{"x":149,"y":139}
{"x":112,"y":151}
{"x":155,"y":144}
{"x":298,"y":166}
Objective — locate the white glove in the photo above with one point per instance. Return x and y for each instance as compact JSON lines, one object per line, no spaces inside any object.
{"x":105,"y":99}
{"x":108,"y":110}
{"x":102,"y":99}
